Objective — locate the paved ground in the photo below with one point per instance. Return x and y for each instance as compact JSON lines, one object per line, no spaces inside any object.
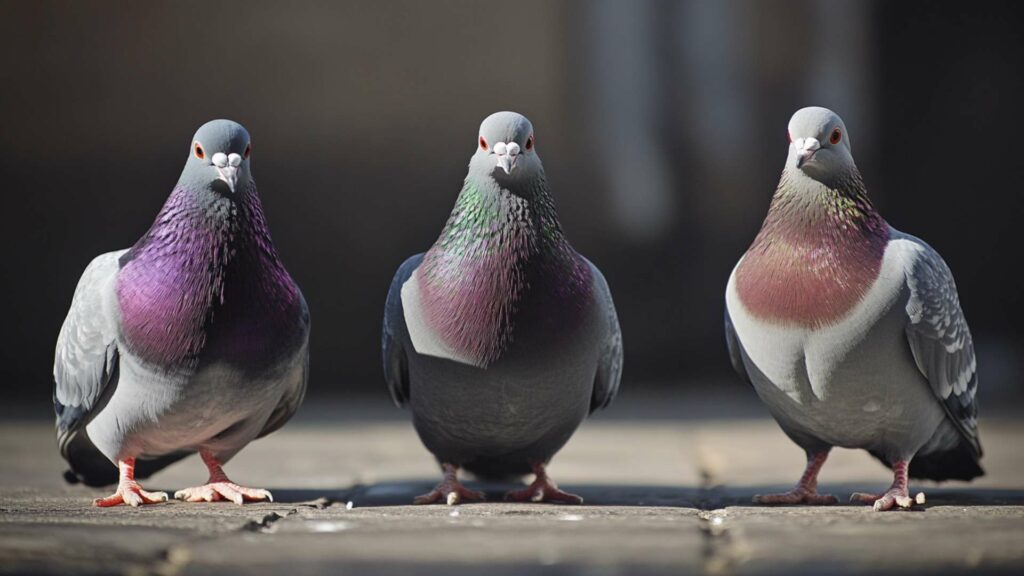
{"x":667,"y":492}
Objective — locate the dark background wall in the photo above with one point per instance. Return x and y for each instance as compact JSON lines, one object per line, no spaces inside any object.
{"x":661,"y":125}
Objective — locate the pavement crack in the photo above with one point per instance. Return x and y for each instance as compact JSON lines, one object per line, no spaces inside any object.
{"x":266,"y":524}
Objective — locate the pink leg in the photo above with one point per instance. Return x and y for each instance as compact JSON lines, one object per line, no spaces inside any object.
{"x":128,"y":490}
{"x":450,"y":490}
{"x":806,"y":490}
{"x":543,"y":489}
{"x":219,"y":487}
{"x":898,"y":495}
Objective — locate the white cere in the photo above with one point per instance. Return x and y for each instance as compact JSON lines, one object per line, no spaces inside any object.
{"x":234,"y":159}
{"x":500,"y":148}
{"x":220,"y":159}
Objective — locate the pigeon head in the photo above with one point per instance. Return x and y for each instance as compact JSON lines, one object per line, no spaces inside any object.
{"x":819,"y":145}
{"x":505,"y":148}
{"x":218,"y":157}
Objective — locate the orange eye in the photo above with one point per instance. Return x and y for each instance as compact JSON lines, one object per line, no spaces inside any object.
{"x":483,"y":143}
{"x":836,"y":136}
{"x":529,"y":143}
{"x":199,"y":152}
{"x":790,"y":136}
{"x":248,"y":150}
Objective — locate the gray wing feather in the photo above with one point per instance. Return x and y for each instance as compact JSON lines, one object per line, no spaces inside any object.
{"x":396,"y":364}
{"x":86,"y":358}
{"x":292,"y":398}
{"x":941,"y":341}
{"x":732,"y":342}
{"x":609,"y":368}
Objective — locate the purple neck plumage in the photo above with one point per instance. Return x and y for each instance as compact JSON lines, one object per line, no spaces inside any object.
{"x":818,"y":252}
{"x":205,"y":284}
{"x":501,"y":262}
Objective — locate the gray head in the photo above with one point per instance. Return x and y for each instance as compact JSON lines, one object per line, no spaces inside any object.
{"x":219,"y":157}
{"x":505,"y":148}
{"x":819,"y":144}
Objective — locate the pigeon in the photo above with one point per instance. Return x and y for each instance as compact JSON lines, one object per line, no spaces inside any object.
{"x":501,"y":338}
{"x":195,"y":339}
{"x":851,"y":331}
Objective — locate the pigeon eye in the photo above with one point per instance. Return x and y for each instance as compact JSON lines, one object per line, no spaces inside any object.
{"x":199,"y":152}
{"x":483,"y":143}
{"x":248,"y":150}
{"x":529,"y":143}
{"x":836,"y":136}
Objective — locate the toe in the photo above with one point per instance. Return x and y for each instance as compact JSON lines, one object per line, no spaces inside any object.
{"x":112,"y":500}
{"x":565,"y":498}
{"x":864,"y":498}
{"x":228,"y":492}
{"x":821,"y":499}
{"x":884,"y":503}
{"x":153,"y":497}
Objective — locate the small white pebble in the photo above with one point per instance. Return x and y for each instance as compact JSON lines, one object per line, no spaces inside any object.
{"x":570,"y":517}
{"x":349,"y":505}
{"x":717,"y":521}
{"x":454,"y":513}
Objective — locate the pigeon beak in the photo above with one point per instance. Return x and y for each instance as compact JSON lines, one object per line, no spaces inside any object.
{"x":805,"y":150}
{"x":507,"y":154}
{"x":228,"y":174}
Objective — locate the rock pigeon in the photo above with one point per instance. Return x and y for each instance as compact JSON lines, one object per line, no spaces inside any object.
{"x":501,"y":337}
{"x":850,"y":330}
{"x":193,"y":340}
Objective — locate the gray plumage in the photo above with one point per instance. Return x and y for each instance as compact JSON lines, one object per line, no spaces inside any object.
{"x":849,"y":330}
{"x":196,"y":339}
{"x":559,"y":348}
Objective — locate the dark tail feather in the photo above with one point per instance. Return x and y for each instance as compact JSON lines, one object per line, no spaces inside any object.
{"x":960,"y":463}
{"x":90,"y":467}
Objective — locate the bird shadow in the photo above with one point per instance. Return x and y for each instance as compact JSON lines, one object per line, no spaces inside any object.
{"x":401,"y":493}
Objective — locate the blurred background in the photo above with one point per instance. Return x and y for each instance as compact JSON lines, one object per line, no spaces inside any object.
{"x":662,"y":126}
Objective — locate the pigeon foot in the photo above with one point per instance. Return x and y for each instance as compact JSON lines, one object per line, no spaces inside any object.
{"x":896,"y":497}
{"x":543,"y":489}
{"x":226,"y":490}
{"x":128,"y":490}
{"x":220,"y":487}
{"x":450,"y":490}
{"x":798,"y":495}
{"x":806,"y":490}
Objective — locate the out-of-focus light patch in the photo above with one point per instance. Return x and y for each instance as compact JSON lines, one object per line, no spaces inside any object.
{"x":327,"y":527}
{"x":570,"y":517}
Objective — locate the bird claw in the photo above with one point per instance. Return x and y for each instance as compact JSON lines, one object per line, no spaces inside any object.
{"x":451,"y":493}
{"x":894,"y":498}
{"x":796,"y":496}
{"x":543,"y":490}
{"x":132,"y":495}
{"x":215,"y":491}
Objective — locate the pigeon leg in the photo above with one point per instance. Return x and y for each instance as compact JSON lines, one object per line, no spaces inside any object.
{"x":543,"y":489}
{"x":220,"y":487}
{"x":128,"y":490}
{"x":450,"y":490}
{"x":897,"y":496}
{"x":806,"y":490}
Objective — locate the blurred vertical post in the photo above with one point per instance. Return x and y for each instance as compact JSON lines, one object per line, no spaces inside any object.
{"x":622,"y":100}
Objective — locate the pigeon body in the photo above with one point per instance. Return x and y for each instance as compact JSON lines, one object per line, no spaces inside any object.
{"x":193,"y":340}
{"x":850,"y":331}
{"x":501,"y":338}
